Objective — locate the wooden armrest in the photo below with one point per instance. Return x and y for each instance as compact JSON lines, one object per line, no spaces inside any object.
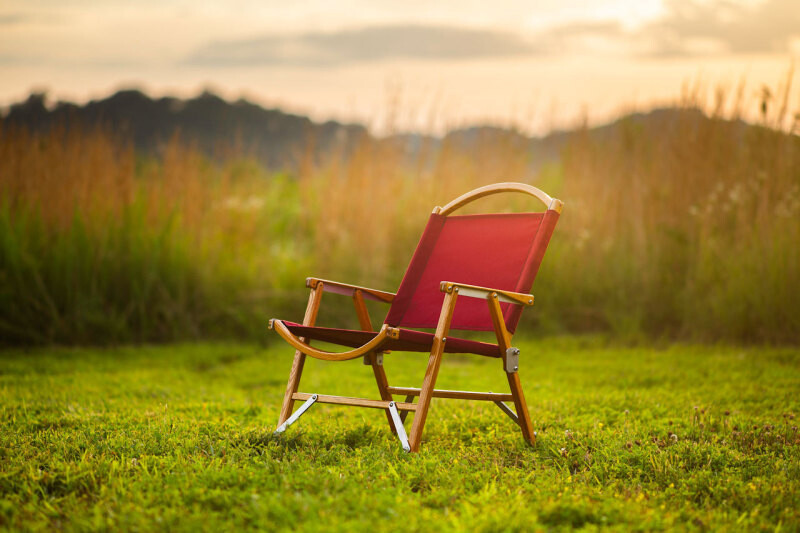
{"x":302,"y":346}
{"x":473,"y":291}
{"x":349,"y":290}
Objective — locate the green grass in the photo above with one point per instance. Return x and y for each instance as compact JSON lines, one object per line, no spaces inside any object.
{"x":180,"y":437}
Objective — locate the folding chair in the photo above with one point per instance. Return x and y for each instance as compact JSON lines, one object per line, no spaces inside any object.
{"x":485,"y":262}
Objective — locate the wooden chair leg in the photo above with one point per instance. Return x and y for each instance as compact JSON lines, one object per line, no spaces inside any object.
{"x":383,"y":386}
{"x":380,"y":373}
{"x":426,"y":391}
{"x":404,"y":414}
{"x":521,"y":407}
{"x":504,"y":342}
{"x":300,"y":358}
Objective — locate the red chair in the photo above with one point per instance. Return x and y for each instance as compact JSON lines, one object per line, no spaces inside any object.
{"x":485,"y":262}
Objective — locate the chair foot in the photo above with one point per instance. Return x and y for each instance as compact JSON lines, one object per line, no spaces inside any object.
{"x":521,"y":407}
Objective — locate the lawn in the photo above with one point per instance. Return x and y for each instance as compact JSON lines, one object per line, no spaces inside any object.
{"x":180,"y":437}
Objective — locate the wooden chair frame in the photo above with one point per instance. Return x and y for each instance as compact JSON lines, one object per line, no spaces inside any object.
{"x":373,"y":355}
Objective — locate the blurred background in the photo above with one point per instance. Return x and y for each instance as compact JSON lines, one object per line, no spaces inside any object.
{"x":174,"y":170}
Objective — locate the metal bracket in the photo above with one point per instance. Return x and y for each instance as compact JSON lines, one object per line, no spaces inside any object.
{"x":398,"y":425}
{"x":512,"y":360}
{"x":507,"y":410}
{"x":378,"y":359}
{"x":297,"y":414}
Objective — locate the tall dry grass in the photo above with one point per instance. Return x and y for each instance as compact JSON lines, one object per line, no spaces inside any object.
{"x":699,"y":218}
{"x":683,"y":227}
{"x":100,"y":245}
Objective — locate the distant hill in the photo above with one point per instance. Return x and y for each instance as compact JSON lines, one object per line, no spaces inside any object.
{"x":215,"y":126}
{"x":280,"y":140}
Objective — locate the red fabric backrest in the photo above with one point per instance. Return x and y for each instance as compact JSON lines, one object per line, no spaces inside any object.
{"x":499,"y":251}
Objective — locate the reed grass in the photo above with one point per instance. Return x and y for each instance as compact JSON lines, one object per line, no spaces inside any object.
{"x":683,"y":229}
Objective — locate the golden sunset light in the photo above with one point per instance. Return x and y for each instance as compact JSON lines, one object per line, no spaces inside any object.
{"x":537,"y":65}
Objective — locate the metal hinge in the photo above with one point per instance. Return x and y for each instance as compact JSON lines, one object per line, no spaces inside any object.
{"x":378,"y":359}
{"x":512,"y":360}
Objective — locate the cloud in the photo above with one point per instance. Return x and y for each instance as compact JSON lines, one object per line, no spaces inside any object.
{"x":374,"y":43}
{"x":582,"y":36}
{"x":689,"y":27}
{"x":11,"y":19}
{"x":765,"y":28}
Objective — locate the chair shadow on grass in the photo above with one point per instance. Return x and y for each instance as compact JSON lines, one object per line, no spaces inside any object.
{"x":363,"y":436}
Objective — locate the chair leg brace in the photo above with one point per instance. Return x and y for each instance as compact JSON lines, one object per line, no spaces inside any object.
{"x":507,"y":410}
{"x":398,"y":422}
{"x":297,"y":414}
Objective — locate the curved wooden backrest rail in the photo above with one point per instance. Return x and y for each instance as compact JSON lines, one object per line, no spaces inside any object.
{"x":496,"y":188}
{"x":302,"y":347}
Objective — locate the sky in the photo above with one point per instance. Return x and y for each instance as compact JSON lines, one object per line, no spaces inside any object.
{"x":400,"y":66}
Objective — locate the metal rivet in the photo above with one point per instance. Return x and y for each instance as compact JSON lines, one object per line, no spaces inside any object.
{"x":494,"y":295}
{"x":456,"y":289}
{"x":530,"y":301}
{"x":516,"y":368}
{"x":444,"y":339}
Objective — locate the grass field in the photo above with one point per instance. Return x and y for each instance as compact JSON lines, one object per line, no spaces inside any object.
{"x":180,"y":437}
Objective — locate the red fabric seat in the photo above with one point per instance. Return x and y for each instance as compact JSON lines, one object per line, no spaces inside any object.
{"x":501,"y":251}
{"x":409,"y":341}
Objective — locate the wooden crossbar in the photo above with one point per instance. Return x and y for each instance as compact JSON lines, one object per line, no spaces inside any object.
{"x":455,"y":394}
{"x":358,"y":402}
